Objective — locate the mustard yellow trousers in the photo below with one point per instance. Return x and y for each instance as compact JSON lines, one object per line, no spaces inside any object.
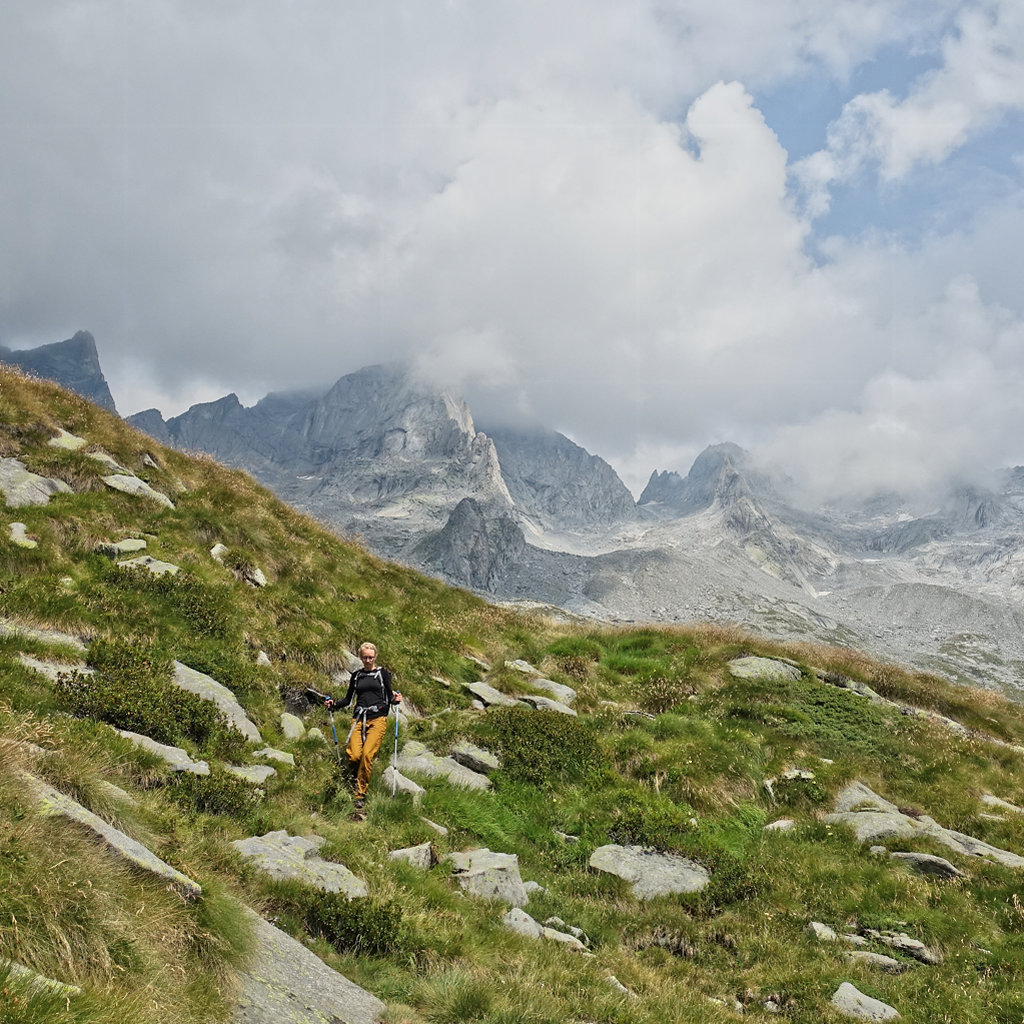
{"x":363,"y":744}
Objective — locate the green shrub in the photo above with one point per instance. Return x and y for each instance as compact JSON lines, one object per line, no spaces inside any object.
{"x":647,"y":819}
{"x":543,"y":748}
{"x":215,"y":794}
{"x":366,"y":926}
{"x":203,"y":606}
{"x":132,"y":689}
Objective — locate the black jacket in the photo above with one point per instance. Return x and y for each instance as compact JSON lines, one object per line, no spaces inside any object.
{"x":372,"y":691}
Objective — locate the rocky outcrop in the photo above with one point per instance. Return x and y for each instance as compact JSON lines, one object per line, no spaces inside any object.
{"x":475,"y":548}
{"x":851,"y":1002}
{"x":415,"y":757}
{"x":283,"y":856}
{"x":872,"y":818}
{"x":176,"y":759}
{"x":208,"y":688}
{"x":285,"y":983}
{"x":558,"y":483}
{"x":54,"y":804}
{"x":21,"y":488}
{"x":489,"y":875}
{"x":74,"y":364}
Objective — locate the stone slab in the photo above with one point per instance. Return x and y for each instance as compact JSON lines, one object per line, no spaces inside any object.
{"x":177,"y":760}
{"x":283,"y":856}
{"x":136,"y":487}
{"x":55,"y":804}
{"x":21,"y":488}
{"x":209,"y":689}
{"x":285,"y":983}
{"x":415,"y":757}
{"x":8,"y":627}
{"x":650,"y":872}
{"x":766,"y":669}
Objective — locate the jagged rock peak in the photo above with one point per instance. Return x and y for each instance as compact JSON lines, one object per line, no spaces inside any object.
{"x":725,"y":473}
{"x":557,"y":481}
{"x":74,"y":364}
{"x":475,"y":547}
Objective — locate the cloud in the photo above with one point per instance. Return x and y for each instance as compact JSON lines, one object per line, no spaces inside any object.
{"x":577,"y":213}
{"x":981,"y":78}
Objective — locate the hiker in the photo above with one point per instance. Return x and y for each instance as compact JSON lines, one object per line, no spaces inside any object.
{"x":371,"y":687}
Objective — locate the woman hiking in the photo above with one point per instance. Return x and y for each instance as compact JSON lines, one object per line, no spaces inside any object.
{"x":371,"y":688}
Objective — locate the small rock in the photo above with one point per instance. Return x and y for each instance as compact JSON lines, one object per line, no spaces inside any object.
{"x":1003,"y":805}
{"x":262,"y":660}
{"x":869,"y":959}
{"x":522,"y":666}
{"x":176,"y":759}
{"x":619,"y":987}
{"x":475,"y":758}
{"x":851,"y":1002}
{"x":878,"y":851}
{"x":218,"y":553}
{"x":66,"y":441}
{"x":257,"y":774}
{"x":822,"y":932}
{"x":154,"y":565}
{"x":561,"y":692}
{"x":766,"y":669}
{"x":395,"y":782}
{"x":906,"y":944}
{"x":493,"y":876}
{"x":292,"y":727}
{"x":531,"y":887}
{"x":421,"y":856}
{"x":782,"y":825}
{"x":489,"y":695}
{"x":439,"y":829}
{"x":271,"y":754}
{"x":546,"y":704}
{"x":133,"y":485}
{"x":128,"y":546}
{"x":20,"y":537}
{"x":315,"y":734}
{"x":520,"y":922}
{"x":109,"y":461}
{"x":928,"y":864}
{"x":566,"y":837}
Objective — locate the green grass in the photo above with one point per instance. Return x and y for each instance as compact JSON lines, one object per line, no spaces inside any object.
{"x":669,"y":750}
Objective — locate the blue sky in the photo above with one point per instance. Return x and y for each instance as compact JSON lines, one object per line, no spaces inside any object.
{"x":653,"y":225}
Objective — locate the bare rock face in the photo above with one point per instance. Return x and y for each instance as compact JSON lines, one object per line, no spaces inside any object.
{"x":474,"y":549}
{"x":74,"y":364}
{"x":557,"y":482}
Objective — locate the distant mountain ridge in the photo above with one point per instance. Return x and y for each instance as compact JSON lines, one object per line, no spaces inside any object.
{"x":526,"y":514}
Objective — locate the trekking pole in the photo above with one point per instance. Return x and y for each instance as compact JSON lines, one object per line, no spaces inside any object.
{"x":334,"y":732}
{"x":394,"y":762}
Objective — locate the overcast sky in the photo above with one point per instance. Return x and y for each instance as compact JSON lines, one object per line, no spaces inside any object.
{"x":793,"y":224}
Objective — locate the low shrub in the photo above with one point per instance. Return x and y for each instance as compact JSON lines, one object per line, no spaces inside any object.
{"x":132,"y":689}
{"x":364,"y":925}
{"x":543,"y":748}
{"x":215,"y":794}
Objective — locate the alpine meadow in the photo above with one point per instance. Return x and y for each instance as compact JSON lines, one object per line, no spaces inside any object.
{"x":582,"y":824}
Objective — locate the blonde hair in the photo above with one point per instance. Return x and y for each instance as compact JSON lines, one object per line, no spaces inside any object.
{"x":367,"y":647}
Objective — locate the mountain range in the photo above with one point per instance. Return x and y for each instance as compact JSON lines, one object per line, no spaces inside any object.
{"x":525,"y":514}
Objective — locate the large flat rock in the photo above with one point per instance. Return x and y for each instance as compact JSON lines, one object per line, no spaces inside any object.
{"x":133,"y":485}
{"x":489,"y":875}
{"x":176,"y":759}
{"x":20,"y":487}
{"x":287,"y":984}
{"x":54,"y":804}
{"x":765,"y":669}
{"x":651,"y":873}
{"x":873,"y":818}
{"x":415,"y":757}
{"x":283,"y":856}
{"x":8,"y":627}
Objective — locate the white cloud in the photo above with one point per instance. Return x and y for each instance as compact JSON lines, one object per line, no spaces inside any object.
{"x":573,"y":210}
{"x":981,"y":78}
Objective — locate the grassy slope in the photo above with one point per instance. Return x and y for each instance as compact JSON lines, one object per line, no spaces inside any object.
{"x":690,"y":779}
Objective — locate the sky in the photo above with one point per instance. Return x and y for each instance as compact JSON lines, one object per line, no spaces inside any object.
{"x":653,"y":226}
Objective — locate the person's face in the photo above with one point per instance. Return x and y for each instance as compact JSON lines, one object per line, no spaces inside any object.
{"x":368,"y":657}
